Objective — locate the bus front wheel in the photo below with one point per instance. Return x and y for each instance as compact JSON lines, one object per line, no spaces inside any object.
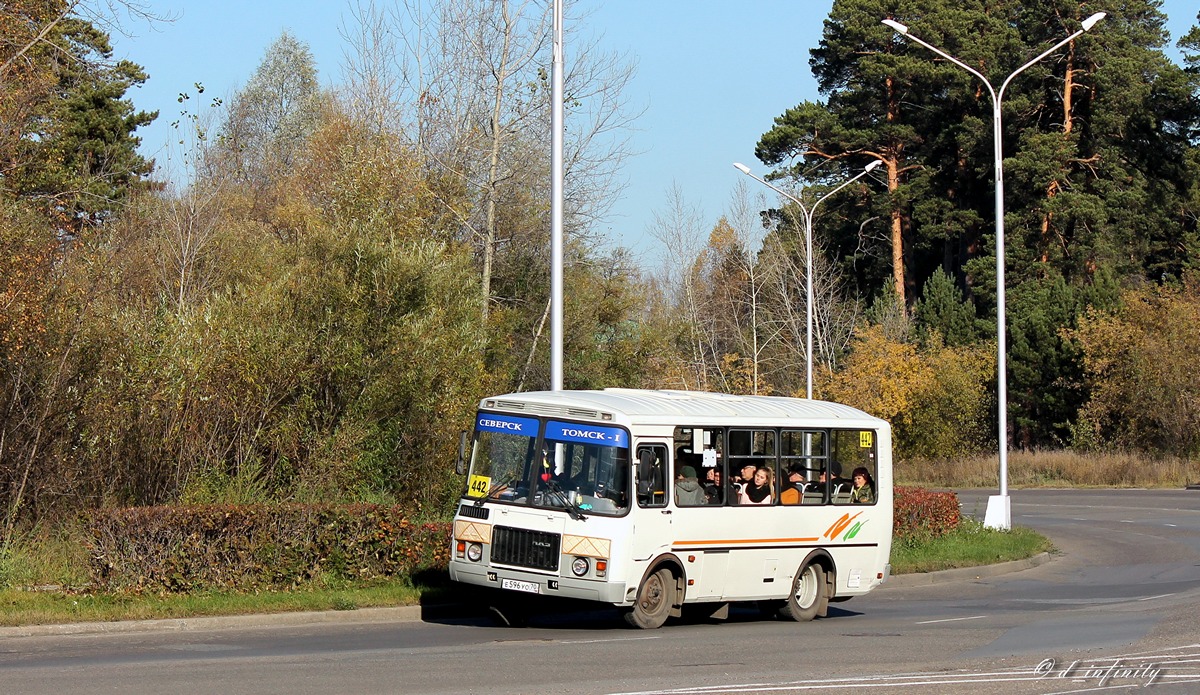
{"x":653,"y":603}
{"x":808,"y":599}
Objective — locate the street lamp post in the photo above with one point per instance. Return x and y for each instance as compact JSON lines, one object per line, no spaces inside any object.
{"x":999,"y":508}
{"x":808,"y":234}
{"x":556,"y":202}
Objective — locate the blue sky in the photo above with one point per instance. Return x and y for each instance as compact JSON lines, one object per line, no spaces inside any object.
{"x":712,"y":75}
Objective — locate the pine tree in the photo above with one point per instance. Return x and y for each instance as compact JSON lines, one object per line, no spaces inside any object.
{"x":888,"y":100}
{"x":1100,"y":177}
{"x":78,"y":156}
{"x":943,"y":309}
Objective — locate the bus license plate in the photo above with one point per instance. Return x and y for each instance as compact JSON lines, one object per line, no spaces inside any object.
{"x":518,"y":585}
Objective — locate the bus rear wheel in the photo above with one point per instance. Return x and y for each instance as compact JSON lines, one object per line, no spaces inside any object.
{"x":808,"y":599}
{"x":653,"y":603}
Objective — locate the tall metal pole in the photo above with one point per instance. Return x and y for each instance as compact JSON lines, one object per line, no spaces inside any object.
{"x":999,"y":508}
{"x":808,"y":251}
{"x":556,"y":205}
{"x":808,"y":292}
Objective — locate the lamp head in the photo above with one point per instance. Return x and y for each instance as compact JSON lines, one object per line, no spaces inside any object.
{"x":874,"y":163}
{"x":896,"y":26}
{"x":1091,"y":21}
{"x":741,"y":167}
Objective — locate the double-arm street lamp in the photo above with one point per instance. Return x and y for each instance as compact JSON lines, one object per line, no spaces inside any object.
{"x":808,"y":252}
{"x":999,"y":510}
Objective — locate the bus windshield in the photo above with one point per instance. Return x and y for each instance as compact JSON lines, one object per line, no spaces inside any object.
{"x":580,"y":467}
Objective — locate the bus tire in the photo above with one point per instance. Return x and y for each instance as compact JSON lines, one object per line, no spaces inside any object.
{"x":769,"y":608}
{"x":807,"y":599}
{"x":654,"y":599}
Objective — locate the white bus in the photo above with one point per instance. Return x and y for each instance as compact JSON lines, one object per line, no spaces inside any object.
{"x":588,"y":494}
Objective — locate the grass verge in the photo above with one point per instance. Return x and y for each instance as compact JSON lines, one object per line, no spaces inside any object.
{"x":20,"y":607}
{"x":971,"y":545}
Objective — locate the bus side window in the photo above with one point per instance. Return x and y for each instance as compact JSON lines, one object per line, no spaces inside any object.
{"x":854,"y":450}
{"x":651,"y":475}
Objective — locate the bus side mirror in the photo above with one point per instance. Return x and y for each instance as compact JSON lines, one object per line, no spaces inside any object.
{"x":460,"y":466}
{"x":645,"y":471}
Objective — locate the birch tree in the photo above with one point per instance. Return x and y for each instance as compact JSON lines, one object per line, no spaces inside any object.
{"x":270,"y":119}
{"x":677,"y":228}
{"x":468,"y":84}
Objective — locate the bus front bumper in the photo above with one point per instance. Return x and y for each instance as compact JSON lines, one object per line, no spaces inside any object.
{"x":534,"y":583}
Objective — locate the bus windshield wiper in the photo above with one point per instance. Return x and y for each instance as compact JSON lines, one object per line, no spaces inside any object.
{"x":495,"y":489}
{"x":571,"y":507}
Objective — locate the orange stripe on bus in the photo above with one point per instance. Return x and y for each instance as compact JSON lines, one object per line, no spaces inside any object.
{"x":747,"y":541}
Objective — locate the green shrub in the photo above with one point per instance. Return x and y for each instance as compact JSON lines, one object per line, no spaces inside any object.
{"x":44,"y":556}
{"x":245,"y":548}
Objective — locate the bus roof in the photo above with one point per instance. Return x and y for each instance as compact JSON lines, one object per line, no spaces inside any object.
{"x":646,"y":405}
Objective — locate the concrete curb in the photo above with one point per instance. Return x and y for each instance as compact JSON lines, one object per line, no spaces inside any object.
{"x":361,"y":615}
{"x":401,"y":614}
{"x":965,"y":574}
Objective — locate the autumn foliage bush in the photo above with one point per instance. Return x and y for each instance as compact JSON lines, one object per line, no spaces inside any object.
{"x":934,"y":396}
{"x":919,"y":513}
{"x":243,"y":548}
{"x":1140,"y":362}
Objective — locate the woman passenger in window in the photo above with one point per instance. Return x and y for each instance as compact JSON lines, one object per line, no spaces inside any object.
{"x":761,"y":489}
{"x":864,"y":487}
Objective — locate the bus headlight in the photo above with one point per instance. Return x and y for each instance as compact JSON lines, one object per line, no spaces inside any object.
{"x":580,"y":566}
{"x":474,"y":552}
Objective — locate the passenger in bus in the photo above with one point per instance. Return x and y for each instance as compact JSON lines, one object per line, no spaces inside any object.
{"x":864,"y":487}
{"x":713,"y":490}
{"x":746,"y":472}
{"x":688,"y":492}
{"x":733,"y":487}
{"x":835,"y":481}
{"x":792,"y":492}
{"x":761,"y":489}
{"x":745,"y":477}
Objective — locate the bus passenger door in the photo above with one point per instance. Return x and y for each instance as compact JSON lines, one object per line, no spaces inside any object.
{"x":652,"y":518}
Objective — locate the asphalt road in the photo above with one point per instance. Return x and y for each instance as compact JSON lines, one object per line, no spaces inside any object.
{"x":1114,"y":609}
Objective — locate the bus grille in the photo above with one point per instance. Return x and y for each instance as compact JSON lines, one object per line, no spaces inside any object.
{"x":524,"y":548}
{"x":472,"y":511}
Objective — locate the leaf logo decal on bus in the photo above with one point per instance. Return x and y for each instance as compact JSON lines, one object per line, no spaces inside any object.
{"x":841,"y":524}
